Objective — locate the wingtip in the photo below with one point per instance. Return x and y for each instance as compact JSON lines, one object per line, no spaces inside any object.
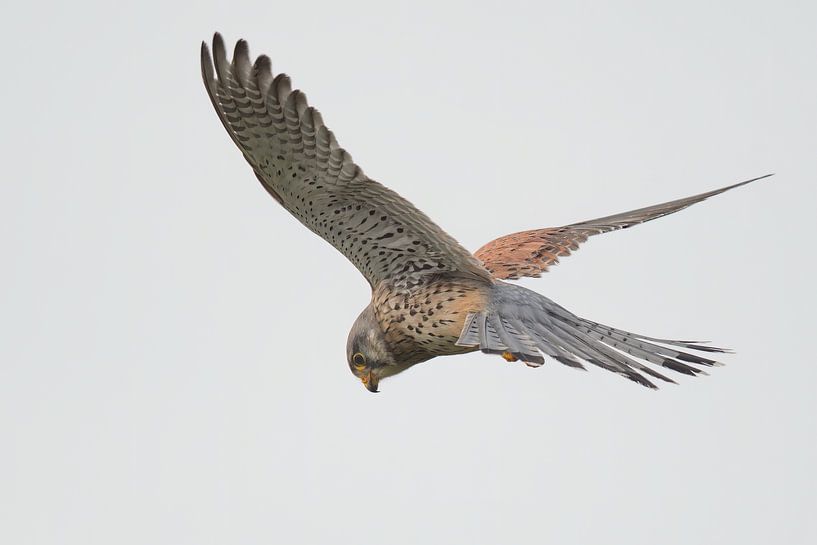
{"x":242,"y":49}
{"x":753,"y":180}
{"x":206,"y":63}
{"x":218,"y":45}
{"x":263,"y":62}
{"x":769,"y":175}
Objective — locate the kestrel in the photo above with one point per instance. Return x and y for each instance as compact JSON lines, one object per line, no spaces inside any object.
{"x":430,"y":296}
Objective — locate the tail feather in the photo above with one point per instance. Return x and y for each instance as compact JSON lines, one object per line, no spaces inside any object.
{"x":520,"y":345}
{"x":550,"y":345}
{"x":650,"y":352}
{"x":692,"y":345}
{"x":624,"y":340}
{"x":595,"y":355}
{"x":529,"y":326}
{"x":489,"y":338}
{"x":625,"y":362}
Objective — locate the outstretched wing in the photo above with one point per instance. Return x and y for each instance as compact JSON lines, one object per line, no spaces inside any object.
{"x":300,"y":164}
{"x":530,"y":253}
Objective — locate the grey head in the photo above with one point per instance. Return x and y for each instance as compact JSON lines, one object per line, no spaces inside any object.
{"x":367,"y":351}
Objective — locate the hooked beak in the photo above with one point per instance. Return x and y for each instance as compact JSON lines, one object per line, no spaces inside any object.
{"x":370,"y":382}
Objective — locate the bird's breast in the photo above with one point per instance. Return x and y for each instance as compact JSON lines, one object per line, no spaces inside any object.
{"x":426,"y":321}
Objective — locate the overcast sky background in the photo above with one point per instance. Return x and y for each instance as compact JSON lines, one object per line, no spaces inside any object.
{"x":172,"y":365}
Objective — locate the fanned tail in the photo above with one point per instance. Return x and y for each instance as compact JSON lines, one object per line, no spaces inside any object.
{"x":524,"y":325}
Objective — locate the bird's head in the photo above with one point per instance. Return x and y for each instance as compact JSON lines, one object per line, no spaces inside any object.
{"x":367,"y":351}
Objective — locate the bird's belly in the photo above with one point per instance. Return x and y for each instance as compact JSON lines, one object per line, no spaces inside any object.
{"x":427,"y":322}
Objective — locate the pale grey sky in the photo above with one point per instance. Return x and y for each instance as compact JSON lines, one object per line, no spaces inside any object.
{"x":171,"y":372}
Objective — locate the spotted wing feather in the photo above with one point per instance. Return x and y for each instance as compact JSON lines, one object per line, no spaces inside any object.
{"x":299,"y":162}
{"x":530,"y":253}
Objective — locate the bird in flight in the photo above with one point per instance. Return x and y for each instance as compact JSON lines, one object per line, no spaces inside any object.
{"x":430,"y":296}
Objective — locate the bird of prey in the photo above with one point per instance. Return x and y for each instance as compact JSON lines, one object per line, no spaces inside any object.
{"x":430,"y":296}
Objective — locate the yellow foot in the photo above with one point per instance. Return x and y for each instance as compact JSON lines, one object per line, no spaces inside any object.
{"x":509,"y":357}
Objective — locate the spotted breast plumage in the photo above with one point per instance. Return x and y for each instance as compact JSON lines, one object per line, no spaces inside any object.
{"x":430,"y":296}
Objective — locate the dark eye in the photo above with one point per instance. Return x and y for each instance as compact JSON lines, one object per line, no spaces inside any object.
{"x":359,"y":361}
